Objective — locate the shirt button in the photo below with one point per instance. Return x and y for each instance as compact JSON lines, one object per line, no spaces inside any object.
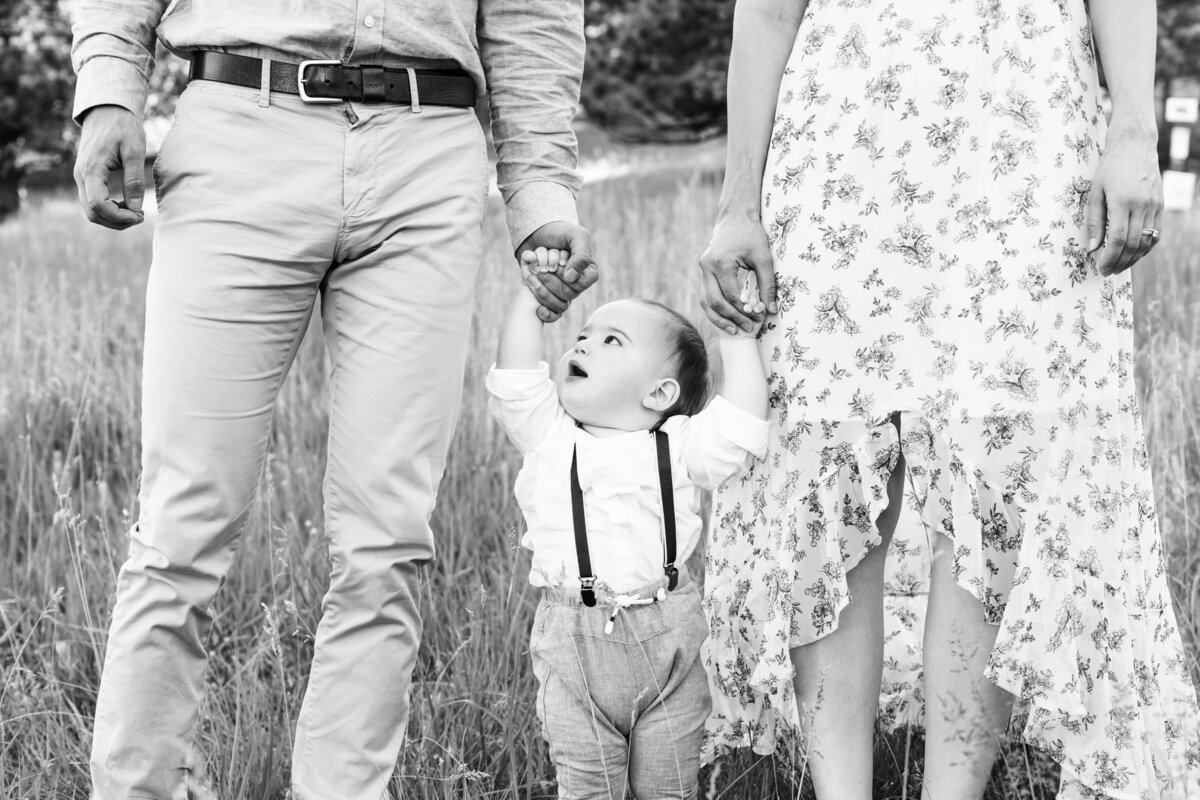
{"x":369,"y":21}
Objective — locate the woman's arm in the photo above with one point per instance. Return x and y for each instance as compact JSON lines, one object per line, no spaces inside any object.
{"x":1127,"y":188}
{"x":763,"y":33}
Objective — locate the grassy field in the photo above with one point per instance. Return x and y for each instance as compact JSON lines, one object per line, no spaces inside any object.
{"x":71,"y":306}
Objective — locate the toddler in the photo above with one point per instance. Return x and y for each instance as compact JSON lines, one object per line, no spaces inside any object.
{"x":616,"y":450}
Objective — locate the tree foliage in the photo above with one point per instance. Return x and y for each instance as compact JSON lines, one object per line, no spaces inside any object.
{"x":166,"y":84}
{"x":655,"y":72}
{"x":656,"y":68}
{"x":36,"y":88}
{"x":1178,"y":39}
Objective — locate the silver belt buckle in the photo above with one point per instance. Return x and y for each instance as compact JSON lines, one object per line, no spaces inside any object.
{"x":300,"y":79}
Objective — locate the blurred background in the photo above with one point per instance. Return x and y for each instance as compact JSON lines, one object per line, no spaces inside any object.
{"x":655,"y":76}
{"x":651,"y":151}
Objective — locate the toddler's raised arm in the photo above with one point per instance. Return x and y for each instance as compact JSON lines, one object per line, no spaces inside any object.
{"x":521,"y":336}
{"x":745,"y":381}
{"x":718,"y":442}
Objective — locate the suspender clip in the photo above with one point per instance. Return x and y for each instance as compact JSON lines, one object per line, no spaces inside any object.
{"x":672,"y":572}
{"x":587,"y":590}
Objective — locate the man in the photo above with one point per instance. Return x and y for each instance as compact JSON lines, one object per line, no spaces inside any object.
{"x":326,"y":149}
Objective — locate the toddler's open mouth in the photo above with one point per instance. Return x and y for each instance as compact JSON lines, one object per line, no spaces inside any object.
{"x":575,"y":371}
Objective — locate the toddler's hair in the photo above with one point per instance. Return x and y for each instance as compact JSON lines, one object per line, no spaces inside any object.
{"x":691,"y":362}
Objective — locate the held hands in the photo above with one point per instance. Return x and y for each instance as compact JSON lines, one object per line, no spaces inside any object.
{"x":542,"y":261}
{"x":732,"y":302}
{"x":521,"y":336}
{"x":557,"y":265}
{"x":534,"y":265}
{"x":112,"y":139}
{"x":751,"y":304}
{"x":1127,"y":195}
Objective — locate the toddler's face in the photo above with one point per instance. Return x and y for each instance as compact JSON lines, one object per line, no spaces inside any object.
{"x":619,"y":357}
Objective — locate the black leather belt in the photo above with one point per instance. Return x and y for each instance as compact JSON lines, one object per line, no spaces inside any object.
{"x":323,"y":81}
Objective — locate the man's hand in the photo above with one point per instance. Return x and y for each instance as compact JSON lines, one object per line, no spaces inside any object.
{"x":738,"y":243}
{"x":112,"y":139}
{"x":555,"y":290}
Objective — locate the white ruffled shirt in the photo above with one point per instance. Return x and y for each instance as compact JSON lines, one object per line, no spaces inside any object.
{"x":619,"y":478}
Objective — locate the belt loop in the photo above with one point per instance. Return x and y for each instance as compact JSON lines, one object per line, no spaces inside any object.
{"x":414,"y":95}
{"x":264,"y":86}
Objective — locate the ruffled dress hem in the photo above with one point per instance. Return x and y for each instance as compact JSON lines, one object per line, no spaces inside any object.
{"x":1017,"y":571}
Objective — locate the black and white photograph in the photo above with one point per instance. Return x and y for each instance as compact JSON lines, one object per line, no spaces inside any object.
{"x":599,"y":399}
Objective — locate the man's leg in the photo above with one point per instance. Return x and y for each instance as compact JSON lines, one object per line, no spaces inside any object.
{"x":236,"y":268}
{"x":396,"y":312}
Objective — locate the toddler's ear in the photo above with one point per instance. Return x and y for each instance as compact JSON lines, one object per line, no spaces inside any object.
{"x":662,"y":396}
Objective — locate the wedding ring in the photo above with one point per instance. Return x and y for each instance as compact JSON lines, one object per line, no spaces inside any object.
{"x":1153,"y":233}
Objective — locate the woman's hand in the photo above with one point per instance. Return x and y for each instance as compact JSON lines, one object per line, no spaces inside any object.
{"x":738,"y":243}
{"x":1127,"y":194}
{"x":764,"y":32}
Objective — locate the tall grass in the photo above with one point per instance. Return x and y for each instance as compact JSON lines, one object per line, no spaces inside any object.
{"x":71,"y":307}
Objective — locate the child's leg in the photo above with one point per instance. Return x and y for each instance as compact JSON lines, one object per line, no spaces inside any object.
{"x":664,"y":745}
{"x":590,"y":753}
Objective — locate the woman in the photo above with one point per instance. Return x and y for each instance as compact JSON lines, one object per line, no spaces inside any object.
{"x":943,"y":247}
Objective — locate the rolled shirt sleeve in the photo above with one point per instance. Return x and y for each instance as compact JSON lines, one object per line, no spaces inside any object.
{"x":525,"y":403}
{"x":112,"y":51}
{"x":718,"y":442}
{"x":532,"y":53}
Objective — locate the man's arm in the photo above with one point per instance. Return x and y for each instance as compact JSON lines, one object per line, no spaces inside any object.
{"x":113,"y":54}
{"x":532,"y":53}
{"x":112,"y":50}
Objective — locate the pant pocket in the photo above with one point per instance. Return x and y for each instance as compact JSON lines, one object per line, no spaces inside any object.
{"x":158,"y":170}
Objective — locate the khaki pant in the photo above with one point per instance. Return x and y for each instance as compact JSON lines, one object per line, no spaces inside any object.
{"x":264,"y":207}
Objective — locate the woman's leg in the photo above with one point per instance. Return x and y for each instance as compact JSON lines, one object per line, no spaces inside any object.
{"x":837,"y":677}
{"x":965,"y":714}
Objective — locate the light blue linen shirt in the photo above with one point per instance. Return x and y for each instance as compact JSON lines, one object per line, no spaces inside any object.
{"x":527,"y":53}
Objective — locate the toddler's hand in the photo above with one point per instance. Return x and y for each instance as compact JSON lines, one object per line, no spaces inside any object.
{"x":751,"y":303}
{"x":544,"y":260}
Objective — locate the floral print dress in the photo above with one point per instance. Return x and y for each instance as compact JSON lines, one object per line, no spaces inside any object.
{"x":924,"y":195}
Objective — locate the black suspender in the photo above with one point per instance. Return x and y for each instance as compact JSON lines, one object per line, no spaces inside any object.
{"x":586,"y":579}
{"x":666,"y":486}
